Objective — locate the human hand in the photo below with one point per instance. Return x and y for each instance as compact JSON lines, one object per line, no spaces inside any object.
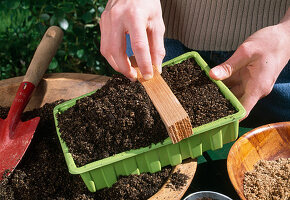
{"x":143,"y":21}
{"x":252,"y":70}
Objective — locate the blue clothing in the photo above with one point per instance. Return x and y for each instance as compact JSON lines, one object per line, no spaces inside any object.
{"x":273,"y":108}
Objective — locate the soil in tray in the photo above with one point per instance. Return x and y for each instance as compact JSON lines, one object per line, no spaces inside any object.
{"x":120,"y":116}
{"x":43,"y":174}
{"x":268,"y":180}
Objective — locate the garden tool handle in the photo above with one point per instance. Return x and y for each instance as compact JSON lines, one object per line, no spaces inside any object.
{"x":43,"y":55}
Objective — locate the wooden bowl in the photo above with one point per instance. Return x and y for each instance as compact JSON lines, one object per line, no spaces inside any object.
{"x":66,"y":86}
{"x":268,"y":142}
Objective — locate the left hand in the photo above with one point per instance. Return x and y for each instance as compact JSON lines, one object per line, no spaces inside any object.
{"x":252,"y":70}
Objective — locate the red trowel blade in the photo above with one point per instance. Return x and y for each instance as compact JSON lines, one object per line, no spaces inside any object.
{"x":14,"y":144}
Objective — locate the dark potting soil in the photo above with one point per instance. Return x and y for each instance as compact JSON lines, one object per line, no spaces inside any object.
{"x":177,"y":180}
{"x":120,"y":116}
{"x":205,"y":198}
{"x":43,"y":174}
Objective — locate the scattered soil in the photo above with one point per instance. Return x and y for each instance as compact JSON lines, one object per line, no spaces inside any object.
{"x":120,"y":116}
{"x":42,"y":172}
{"x":140,"y":186}
{"x":4,"y":112}
{"x":270,"y":180}
{"x":177,"y":180}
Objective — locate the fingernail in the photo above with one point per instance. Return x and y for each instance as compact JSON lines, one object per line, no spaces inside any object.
{"x":134,"y":76}
{"x":217,"y":72}
{"x":147,"y":76}
{"x":132,"y":79}
{"x":134,"y":72}
{"x":159,"y":68}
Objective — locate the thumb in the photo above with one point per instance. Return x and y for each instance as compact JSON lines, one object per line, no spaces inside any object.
{"x":249,"y":100}
{"x":226,"y":69}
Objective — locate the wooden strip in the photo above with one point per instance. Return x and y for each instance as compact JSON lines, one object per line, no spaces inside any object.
{"x":173,"y":115}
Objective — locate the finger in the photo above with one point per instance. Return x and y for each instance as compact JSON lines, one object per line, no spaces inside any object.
{"x":156,"y":44}
{"x":140,"y":47}
{"x":249,"y":100}
{"x":105,"y":40}
{"x":118,"y":41}
{"x":239,"y":59}
{"x":112,"y":62}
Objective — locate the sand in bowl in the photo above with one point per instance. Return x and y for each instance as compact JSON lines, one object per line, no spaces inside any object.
{"x":270,"y":180}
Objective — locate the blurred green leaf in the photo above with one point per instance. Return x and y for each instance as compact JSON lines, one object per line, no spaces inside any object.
{"x":92,"y":11}
{"x":12,"y":4}
{"x":101,"y":9}
{"x":80,"y":53}
{"x":83,"y":2}
{"x":59,"y":14}
{"x":53,"y":64}
{"x":41,"y":27}
{"x":44,"y":16}
{"x":49,"y":9}
{"x":87,"y":17}
{"x":52,"y":20}
{"x":67,"y":7}
{"x":61,"y":53}
{"x":63,"y":23}
{"x":25,"y":4}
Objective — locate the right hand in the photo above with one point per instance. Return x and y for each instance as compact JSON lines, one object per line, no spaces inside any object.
{"x":142,"y":20}
{"x":253,"y":69}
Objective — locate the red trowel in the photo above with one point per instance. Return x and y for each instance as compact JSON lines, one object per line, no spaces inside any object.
{"x":15,"y":135}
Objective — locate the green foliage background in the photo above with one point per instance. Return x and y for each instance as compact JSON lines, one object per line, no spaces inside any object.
{"x":23,"y":23}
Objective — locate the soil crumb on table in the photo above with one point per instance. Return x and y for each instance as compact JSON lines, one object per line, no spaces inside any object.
{"x":270,"y":180}
{"x":120,"y":116}
{"x":177,"y":180}
{"x":42,"y":173}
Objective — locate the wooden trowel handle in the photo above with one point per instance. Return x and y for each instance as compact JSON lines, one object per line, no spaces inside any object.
{"x":43,"y":55}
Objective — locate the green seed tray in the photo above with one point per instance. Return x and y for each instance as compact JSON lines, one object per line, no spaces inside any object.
{"x":211,"y":136}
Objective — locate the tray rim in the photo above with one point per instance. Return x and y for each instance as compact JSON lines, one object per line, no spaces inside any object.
{"x":73,"y":169}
